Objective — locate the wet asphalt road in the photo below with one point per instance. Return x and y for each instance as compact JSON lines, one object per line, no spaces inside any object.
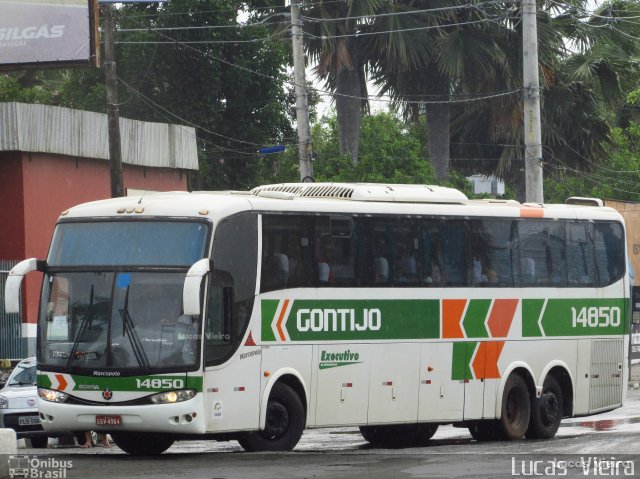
{"x":610,"y":441}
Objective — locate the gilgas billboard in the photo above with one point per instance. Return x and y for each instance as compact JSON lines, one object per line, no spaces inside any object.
{"x":40,"y":33}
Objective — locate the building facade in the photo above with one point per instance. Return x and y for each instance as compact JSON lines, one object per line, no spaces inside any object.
{"x":52,"y":158}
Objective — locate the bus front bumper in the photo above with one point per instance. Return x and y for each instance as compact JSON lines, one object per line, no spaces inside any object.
{"x":185,"y":417}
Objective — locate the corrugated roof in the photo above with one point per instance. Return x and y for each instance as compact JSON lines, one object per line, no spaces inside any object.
{"x":52,"y":129}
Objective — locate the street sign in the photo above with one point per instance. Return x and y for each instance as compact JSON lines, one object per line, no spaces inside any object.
{"x":267,"y":150}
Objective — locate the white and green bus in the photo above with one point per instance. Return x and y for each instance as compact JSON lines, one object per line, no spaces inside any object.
{"x":394,"y":308}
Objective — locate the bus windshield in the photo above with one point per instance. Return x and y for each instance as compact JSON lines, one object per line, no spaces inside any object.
{"x":112,"y":298}
{"x":117,"y":320}
{"x":128,"y":243}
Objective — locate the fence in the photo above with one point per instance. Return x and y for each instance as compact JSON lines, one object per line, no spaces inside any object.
{"x":11,"y":344}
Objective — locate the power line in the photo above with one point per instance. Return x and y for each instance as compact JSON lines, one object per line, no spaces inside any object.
{"x":237,"y":26}
{"x":194,"y":125}
{"x":466,"y":6}
{"x":400,"y":30}
{"x":328,"y":93}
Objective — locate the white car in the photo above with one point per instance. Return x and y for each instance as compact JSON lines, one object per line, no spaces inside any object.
{"x":19,"y":405}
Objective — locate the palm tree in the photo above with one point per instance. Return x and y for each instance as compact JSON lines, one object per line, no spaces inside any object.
{"x":332,"y":42}
{"x":585,"y":70}
{"x":460,"y":54}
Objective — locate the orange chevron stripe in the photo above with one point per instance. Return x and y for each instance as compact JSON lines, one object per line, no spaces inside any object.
{"x":485,"y":362}
{"x":479,"y":361}
{"x":501,"y":317}
{"x":280,"y":319}
{"x":62,"y":382}
{"x":494,"y":349}
{"x":452,"y":310}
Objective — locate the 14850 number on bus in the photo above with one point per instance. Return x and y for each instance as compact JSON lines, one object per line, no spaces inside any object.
{"x":596,"y":317}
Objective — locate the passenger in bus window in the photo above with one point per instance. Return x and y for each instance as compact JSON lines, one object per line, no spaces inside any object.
{"x":326,"y":258}
{"x":479,"y":276}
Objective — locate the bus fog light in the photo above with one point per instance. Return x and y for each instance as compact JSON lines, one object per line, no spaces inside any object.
{"x":52,"y":396}
{"x":171,"y":397}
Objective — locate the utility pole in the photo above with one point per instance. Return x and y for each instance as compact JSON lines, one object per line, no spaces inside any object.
{"x":531,"y":80}
{"x":113,"y":113}
{"x":302,"y":101}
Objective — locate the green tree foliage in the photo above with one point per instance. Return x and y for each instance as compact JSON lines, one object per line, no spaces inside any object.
{"x":24,"y":87}
{"x":217,"y":65}
{"x":389,"y":153}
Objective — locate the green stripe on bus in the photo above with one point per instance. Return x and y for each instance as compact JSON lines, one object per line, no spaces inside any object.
{"x":268,"y":308}
{"x":475,"y":317}
{"x":129,"y":383}
{"x":462,"y":354}
{"x":586,"y":317}
{"x":531,"y":310}
{"x":334,"y":320}
{"x":44,"y":381}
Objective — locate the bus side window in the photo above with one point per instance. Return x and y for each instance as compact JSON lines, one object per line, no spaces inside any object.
{"x":454,"y":236}
{"x":286,"y":252}
{"x":335,"y":251}
{"x":609,"y":252}
{"x":581,"y":269}
{"x":542,"y":253}
{"x":217,"y":336}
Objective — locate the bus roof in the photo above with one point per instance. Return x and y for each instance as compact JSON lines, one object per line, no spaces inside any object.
{"x":358,"y":198}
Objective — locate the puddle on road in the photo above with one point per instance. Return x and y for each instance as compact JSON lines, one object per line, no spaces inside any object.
{"x":604,"y":424}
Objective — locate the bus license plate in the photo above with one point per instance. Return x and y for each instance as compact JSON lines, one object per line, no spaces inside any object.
{"x":108,"y":420}
{"x":28,"y":420}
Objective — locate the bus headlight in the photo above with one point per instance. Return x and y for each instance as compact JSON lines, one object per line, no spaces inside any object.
{"x":4,"y":402}
{"x":171,"y":397}
{"x":52,"y":396}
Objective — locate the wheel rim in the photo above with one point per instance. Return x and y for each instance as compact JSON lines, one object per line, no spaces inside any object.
{"x":277,"y":421}
{"x":549,"y":408}
{"x":514,"y":408}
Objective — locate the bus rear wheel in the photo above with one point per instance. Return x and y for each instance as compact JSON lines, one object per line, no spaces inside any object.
{"x":546,"y":411}
{"x":516,"y":408}
{"x":142,"y":444}
{"x":398,"y":435}
{"x":284,"y":423}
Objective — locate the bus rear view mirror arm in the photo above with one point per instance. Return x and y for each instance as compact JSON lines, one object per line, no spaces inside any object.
{"x":192,"y":283}
{"x":14,"y":280}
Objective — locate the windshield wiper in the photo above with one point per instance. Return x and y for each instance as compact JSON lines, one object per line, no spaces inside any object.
{"x":129,"y":328}
{"x":83,"y":327}
{"x":22,"y":383}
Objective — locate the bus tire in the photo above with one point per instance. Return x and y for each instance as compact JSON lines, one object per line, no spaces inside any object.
{"x":142,"y":444}
{"x":485,"y":431}
{"x":284,"y":424}
{"x":398,"y":435}
{"x":516,"y":408}
{"x":546,"y":411}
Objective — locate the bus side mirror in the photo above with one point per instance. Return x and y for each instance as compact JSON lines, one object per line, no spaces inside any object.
{"x":192,"y":284}
{"x":14,"y":280}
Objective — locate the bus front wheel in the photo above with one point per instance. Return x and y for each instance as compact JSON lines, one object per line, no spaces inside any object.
{"x":284,"y":423}
{"x":516,"y":408}
{"x":142,"y":444}
{"x":546,"y":412}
